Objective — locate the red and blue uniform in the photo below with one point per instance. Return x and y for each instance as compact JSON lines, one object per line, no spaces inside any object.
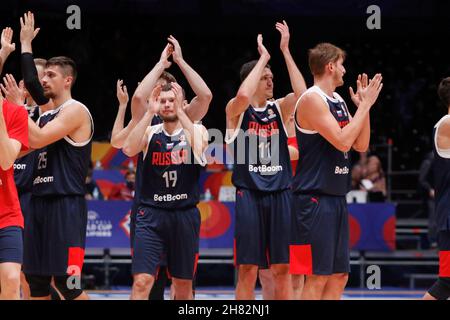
{"x":56,"y":233}
{"x":319,"y":228}
{"x":167,"y":220}
{"x":262,"y":175}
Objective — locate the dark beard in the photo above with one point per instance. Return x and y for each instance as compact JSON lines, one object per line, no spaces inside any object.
{"x":49,"y":95}
{"x":173,"y":118}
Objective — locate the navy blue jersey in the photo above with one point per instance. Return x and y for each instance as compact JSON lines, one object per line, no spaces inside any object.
{"x":23,"y":173}
{"x":260,"y":150}
{"x":23,"y":167}
{"x":170,"y":172}
{"x":321,"y":168}
{"x":441,"y":180}
{"x":61,"y":167}
{"x":33,"y":112}
{"x":137,"y":186}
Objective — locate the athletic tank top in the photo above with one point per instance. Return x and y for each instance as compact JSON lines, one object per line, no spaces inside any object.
{"x":170,"y":171}
{"x":61,"y":167}
{"x":322,"y":169}
{"x":441,"y":179}
{"x":260,"y":150}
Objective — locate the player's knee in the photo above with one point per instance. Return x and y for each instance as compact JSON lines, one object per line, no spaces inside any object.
{"x":39,"y":285}
{"x":183,"y":288}
{"x":11,"y":281}
{"x":142,"y":282}
{"x":248,"y":272}
{"x":67,"y":289}
{"x":280,"y":270}
{"x":340,"y":278}
{"x":441,"y":289}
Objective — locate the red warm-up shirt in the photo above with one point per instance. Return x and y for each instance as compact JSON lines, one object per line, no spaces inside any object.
{"x":16,"y":119}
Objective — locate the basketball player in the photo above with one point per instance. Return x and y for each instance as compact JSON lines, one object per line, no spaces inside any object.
{"x":23,"y":167}
{"x":325,"y":134}
{"x":262,"y":181}
{"x":56,"y":232}
{"x":168,"y":220}
{"x":13,"y":139}
{"x":441,"y":134}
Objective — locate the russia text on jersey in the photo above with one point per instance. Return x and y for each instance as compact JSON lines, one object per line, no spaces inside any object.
{"x":170,"y":157}
{"x":262,"y":130}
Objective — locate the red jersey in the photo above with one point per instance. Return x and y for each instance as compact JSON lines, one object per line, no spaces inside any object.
{"x":16,"y":119}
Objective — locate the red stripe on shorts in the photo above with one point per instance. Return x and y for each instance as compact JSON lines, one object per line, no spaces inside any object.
{"x":300,"y":259}
{"x":195,"y":264}
{"x":75,"y":261}
{"x":444,"y":264}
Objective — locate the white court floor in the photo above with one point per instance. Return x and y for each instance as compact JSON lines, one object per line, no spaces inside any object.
{"x":228,"y":294}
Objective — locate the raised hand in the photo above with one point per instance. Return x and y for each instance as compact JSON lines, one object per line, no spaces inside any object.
{"x":6,"y":41}
{"x":165,"y":56}
{"x":261,"y":49}
{"x":177,"y":55}
{"x":361,"y":83}
{"x":178,"y":91}
{"x":284,"y":31}
{"x":27,"y":31}
{"x":370,"y":93}
{"x":122,"y":93}
{"x":153,"y":104}
{"x":12,"y":91}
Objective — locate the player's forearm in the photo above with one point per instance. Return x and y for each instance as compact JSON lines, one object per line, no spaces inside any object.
{"x":3,"y":56}
{"x":143,"y":91}
{"x":7,"y":152}
{"x":363,"y":140}
{"x":133,"y":143}
{"x":118,"y":134}
{"x":298,"y":83}
{"x":350,"y":132}
{"x":198,"y":85}
{"x":250,"y":84}
{"x":193,"y":137}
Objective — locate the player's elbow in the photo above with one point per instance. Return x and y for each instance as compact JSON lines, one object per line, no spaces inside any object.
{"x":128,"y":150}
{"x":361,"y":148}
{"x":116,"y":142}
{"x":242,"y":96}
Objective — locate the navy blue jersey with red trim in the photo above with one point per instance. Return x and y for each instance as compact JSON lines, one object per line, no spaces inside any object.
{"x":321,"y":168}
{"x":170,"y":172}
{"x":260,"y":150}
{"x":61,"y":167}
{"x":137,"y":186}
{"x":441,"y":181}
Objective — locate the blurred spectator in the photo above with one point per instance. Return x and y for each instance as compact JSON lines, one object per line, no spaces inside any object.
{"x":357,"y":174}
{"x":124,"y":191}
{"x":426,"y":192}
{"x":92,"y":190}
{"x":373,"y":180}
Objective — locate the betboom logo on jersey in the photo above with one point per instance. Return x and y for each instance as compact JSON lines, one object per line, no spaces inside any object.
{"x":265,"y":169}
{"x":169,"y":197}
{"x":39,"y":180}
{"x":20,"y":166}
{"x":343,"y":170}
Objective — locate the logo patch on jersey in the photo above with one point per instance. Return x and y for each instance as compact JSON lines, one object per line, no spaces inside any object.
{"x":182,"y":140}
{"x":169,"y":146}
{"x":158,"y":142}
{"x":271,"y":114}
{"x":339,"y":113}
